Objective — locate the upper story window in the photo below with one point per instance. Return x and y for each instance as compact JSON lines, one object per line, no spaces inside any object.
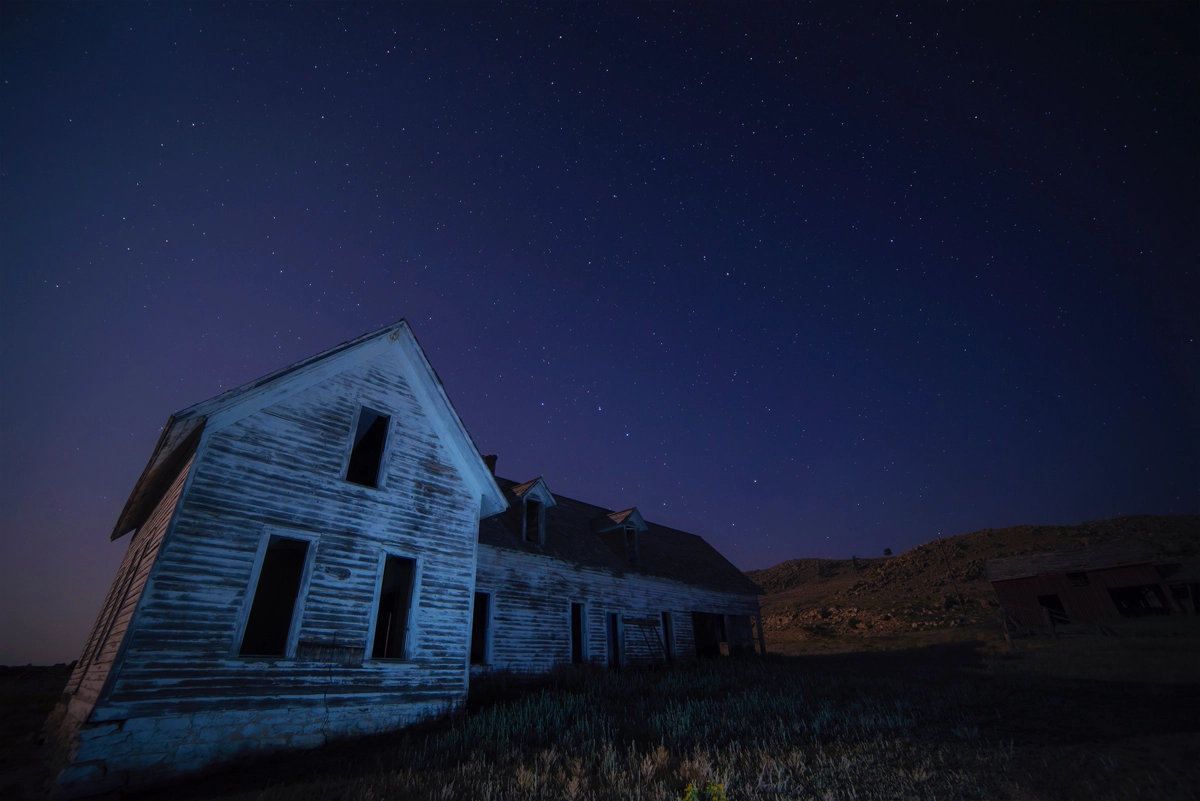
{"x":622,"y":532}
{"x":535,"y":521}
{"x":366,"y":455}
{"x":532,"y":499}
{"x":631,"y":544}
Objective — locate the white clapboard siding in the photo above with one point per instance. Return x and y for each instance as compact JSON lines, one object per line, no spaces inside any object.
{"x":531,"y":596}
{"x":281,"y":469}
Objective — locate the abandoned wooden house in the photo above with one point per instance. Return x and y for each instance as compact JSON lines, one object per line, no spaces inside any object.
{"x":1092,"y":584}
{"x":304,"y":560}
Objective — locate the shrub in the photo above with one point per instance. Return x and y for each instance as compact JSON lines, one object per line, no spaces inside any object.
{"x":710,"y":792}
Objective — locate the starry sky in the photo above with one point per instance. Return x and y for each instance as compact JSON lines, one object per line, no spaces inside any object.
{"x":804,"y":280}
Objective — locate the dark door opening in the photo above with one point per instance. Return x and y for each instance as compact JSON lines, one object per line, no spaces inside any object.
{"x":739,"y":632}
{"x":480,"y":623}
{"x":709,"y":632}
{"x":614,"y":640}
{"x":274,"y":604}
{"x":1139,"y":601}
{"x":391,"y":621}
{"x":668,"y":637}
{"x":577,"y":653}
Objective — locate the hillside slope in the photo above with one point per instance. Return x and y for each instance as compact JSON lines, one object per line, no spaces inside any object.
{"x":938,"y":585}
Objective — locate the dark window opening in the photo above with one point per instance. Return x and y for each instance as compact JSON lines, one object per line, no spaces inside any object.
{"x":1182,"y":594}
{"x":274,"y":603}
{"x":370,"y":436}
{"x":577,"y":653}
{"x":668,"y":635}
{"x":1053,"y":608}
{"x":1077,"y":579}
{"x":708,"y":631}
{"x":631,"y":544}
{"x":533,"y":521}
{"x":614,"y":639}
{"x":391,"y":622}
{"x":480,"y":623}
{"x":1139,"y":601}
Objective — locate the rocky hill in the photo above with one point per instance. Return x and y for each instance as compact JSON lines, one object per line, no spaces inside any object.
{"x":938,"y":585}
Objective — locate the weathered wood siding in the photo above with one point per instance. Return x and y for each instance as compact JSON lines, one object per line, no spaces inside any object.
{"x":531,"y":610}
{"x":178,"y":697}
{"x":112,"y":624}
{"x":282,"y":469}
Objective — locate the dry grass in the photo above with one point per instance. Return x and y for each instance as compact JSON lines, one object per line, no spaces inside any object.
{"x":944,"y":722}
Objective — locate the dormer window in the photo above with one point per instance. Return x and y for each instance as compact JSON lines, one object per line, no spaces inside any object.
{"x":535,"y":521}
{"x":621,"y":532}
{"x":533,"y":498}
{"x":631,"y":544}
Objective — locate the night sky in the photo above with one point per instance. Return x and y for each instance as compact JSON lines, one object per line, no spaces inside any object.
{"x":804,"y":280}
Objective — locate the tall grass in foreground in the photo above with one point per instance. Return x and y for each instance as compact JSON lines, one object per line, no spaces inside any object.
{"x":945,"y":722}
{"x":761,"y":729}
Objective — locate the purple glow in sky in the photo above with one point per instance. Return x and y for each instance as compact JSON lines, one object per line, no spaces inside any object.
{"x":806,"y":281}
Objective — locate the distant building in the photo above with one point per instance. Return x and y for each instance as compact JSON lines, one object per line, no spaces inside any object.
{"x":323,"y":553}
{"x":1092,"y":584}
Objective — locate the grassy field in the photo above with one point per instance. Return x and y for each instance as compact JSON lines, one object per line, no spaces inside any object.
{"x":1074,"y":718}
{"x":1053,"y":719}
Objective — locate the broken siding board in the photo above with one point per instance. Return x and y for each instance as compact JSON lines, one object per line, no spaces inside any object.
{"x":273,"y":469}
{"x":532,"y":594}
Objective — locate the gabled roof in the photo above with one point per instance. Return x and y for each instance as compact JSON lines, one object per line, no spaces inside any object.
{"x":535,"y":489}
{"x":615,"y":520}
{"x":664,"y":552}
{"x":1094,"y":557}
{"x":183,"y":430}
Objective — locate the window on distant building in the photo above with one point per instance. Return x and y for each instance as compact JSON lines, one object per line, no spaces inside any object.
{"x":366,"y":455}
